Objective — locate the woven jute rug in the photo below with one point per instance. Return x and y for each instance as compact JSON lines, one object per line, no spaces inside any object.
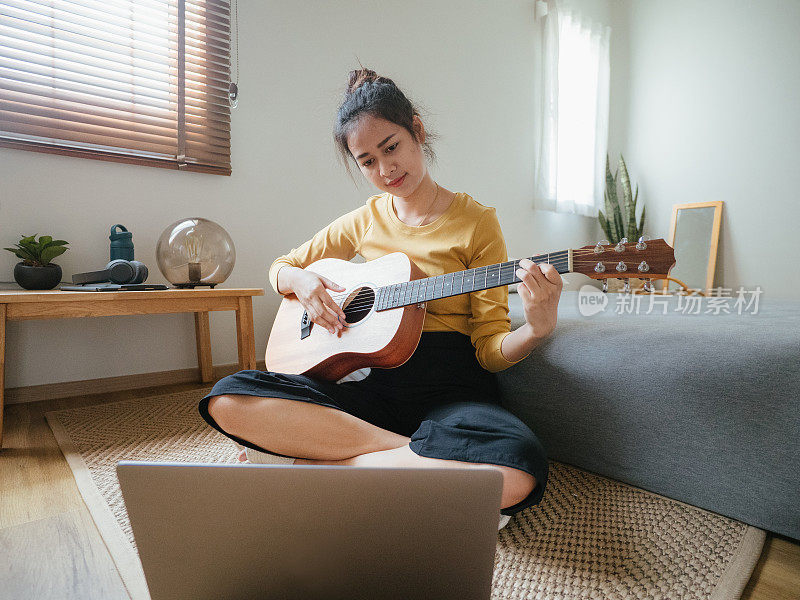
{"x":590,"y":537}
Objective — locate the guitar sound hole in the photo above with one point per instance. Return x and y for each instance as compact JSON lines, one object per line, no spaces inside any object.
{"x":358,"y":304}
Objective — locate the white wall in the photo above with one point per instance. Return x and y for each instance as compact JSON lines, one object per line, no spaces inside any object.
{"x":467,"y":61}
{"x":704,"y":101}
{"x":705,"y":105}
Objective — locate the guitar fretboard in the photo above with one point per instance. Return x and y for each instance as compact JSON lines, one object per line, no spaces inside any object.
{"x":462,"y":282}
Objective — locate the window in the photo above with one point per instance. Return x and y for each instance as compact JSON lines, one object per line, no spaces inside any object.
{"x":572,"y":117}
{"x":141,"y":81}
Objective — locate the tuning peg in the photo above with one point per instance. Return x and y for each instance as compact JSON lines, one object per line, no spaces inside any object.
{"x":605,"y":286}
{"x":626,"y":286}
{"x":620,"y":247}
{"x":621,"y":267}
{"x":640,"y":245}
{"x":643,"y":267}
{"x":648,"y":286}
{"x":599,"y":267}
{"x":599,"y":247}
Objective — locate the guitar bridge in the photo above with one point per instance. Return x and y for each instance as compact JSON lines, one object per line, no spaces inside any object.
{"x":305,"y":325}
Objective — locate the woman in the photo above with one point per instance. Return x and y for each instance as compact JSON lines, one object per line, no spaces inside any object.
{"x":440,"y":408}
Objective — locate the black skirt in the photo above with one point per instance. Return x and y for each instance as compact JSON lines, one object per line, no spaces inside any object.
{"x":441,"y":398}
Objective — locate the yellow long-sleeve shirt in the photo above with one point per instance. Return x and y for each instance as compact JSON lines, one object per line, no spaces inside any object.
{"x":467,"y":235}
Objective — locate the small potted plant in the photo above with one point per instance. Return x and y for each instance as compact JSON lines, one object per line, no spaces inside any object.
{"x":36,"y":272}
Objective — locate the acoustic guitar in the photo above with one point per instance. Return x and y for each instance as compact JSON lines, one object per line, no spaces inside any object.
{"x":384,"y":301}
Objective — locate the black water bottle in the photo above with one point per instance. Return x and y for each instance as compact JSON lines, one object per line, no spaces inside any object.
{"x":121,"y":243}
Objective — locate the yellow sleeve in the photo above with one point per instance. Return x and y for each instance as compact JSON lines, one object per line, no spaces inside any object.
{"x":490,"y":322}
{"x":340,"y":239}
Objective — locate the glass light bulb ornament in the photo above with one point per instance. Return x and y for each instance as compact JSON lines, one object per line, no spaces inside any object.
{"x":195,"y":252}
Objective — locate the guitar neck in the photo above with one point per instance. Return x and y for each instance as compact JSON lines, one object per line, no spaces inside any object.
{"x":463,"y":282}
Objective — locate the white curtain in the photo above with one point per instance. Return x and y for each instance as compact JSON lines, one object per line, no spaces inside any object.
{"x":571,"y":115}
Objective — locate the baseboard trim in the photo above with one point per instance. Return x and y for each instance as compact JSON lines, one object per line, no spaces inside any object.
{"x":67,"y":389}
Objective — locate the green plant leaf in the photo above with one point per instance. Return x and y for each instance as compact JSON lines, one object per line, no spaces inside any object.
{"x":55,"y":243}
{"x":17,"y":252}
{"x":49,"y":254}
{"x":41,"y":252}
{"x":23,"y":253}
{"x":618,"y":224}
{"x":630,"y":207}
{"x":641,"y":223}
{"x":611,"y":189}
{"x":639,"y":230}
{"x":29,"y":246}
{"x":610,"y":219}
{"x":609,"y":206}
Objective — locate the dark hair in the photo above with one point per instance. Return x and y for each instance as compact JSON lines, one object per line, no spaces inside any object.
{"x":367,"y":93}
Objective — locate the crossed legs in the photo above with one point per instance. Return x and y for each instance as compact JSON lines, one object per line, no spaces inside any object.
{"x":323,"y":435}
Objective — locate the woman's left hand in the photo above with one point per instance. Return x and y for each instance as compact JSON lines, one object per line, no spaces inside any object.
{"x":540,"y":290}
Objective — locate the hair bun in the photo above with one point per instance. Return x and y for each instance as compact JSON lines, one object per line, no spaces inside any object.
{"x":362,"y":76}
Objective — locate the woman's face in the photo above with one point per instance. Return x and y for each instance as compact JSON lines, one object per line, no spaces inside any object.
{"x":386,"y":152}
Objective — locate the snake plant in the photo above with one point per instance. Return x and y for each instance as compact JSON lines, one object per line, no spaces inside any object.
{"x":618,"y":223}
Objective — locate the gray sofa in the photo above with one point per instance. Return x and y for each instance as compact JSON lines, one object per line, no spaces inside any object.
{"x":703,"y":408}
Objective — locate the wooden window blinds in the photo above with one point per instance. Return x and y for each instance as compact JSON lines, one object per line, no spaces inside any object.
{"x":142,"y":81}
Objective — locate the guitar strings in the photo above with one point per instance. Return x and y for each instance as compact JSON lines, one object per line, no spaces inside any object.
{"x":517,"y":280}
{"x":561,"y":262}
{"x":556,"y":263}
{"x":354,"y":306}
{"x":363,"y":304}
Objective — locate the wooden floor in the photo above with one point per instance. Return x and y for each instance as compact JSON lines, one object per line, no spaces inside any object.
{"x":51,"y":549}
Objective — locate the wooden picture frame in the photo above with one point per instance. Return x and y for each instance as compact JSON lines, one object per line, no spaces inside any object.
{"x":713,"y":240}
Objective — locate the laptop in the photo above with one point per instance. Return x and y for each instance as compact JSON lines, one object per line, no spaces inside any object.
{"x":311,"y":532}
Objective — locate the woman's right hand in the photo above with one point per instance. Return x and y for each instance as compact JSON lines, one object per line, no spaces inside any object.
{"x":311,"y":290}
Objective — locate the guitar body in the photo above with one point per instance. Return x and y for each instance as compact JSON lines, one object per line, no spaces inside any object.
{"x":383,"y":339}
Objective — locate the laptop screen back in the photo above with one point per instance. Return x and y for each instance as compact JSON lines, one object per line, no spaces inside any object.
{"x":307,"y":532}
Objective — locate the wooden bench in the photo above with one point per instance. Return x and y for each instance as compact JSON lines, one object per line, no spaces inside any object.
{"x":23,"y":305}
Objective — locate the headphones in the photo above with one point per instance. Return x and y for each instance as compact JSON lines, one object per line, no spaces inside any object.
{"x":117,"y":271}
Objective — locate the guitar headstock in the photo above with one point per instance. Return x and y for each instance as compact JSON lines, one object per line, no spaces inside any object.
{"x":647,"y":259}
